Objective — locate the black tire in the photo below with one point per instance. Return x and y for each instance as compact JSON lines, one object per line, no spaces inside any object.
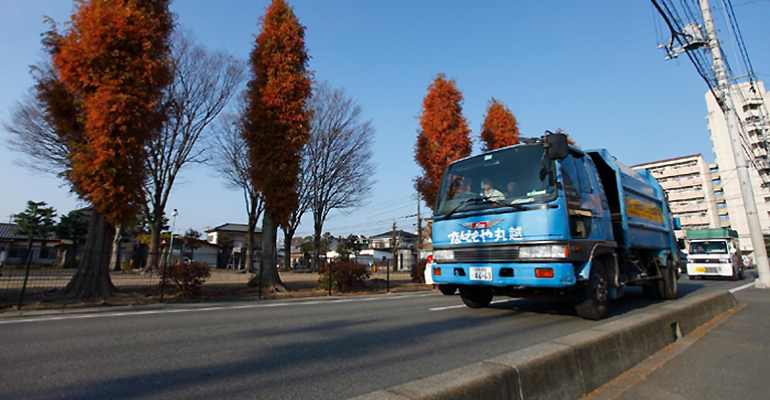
{"x":447,"y":289}
{"x":592,"y":301}
{"x":476,"y":297}
{"x":692,"y":278}
{"x":668,"y":287}
{"x":741,"y":274}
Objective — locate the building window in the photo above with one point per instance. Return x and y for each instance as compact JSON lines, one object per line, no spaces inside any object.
{"x":724,"y":217}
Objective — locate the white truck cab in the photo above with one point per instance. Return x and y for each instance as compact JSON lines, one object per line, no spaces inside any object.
{"x":714,"y":252}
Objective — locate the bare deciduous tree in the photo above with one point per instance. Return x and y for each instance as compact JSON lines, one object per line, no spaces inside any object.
{"x":33,"y":135}
{"x":339,"y":156}
{"x":231,"y":160}
{"x":204,"y":83}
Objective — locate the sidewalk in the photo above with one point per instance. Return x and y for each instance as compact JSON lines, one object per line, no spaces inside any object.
{"x":731,"y":361}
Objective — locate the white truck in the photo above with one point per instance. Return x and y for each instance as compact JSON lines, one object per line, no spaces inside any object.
{"x":714,"y":252}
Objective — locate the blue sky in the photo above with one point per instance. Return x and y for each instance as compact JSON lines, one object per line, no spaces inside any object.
{"x":591,"y":68}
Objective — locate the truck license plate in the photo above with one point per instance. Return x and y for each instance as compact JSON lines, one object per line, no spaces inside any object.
{"x":481,"y":273}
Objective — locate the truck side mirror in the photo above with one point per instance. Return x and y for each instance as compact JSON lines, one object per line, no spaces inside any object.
{"x":556,"y":146}
{"x":677,"y":224}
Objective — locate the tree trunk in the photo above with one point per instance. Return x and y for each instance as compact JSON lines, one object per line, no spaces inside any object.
{"x":153,"y":263}
{"x":269,"y":278}
{"x":116,"y":247}
{"x":288,"y":235}
{"x":92,"y":278}
{"x":250,"y":237}
{"x":317,"y":245}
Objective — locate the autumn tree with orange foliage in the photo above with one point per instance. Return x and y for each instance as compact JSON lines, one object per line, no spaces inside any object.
{"x":111,"y":68}
{"x":276,"y":123}
{"x":500,"y":128}
{"x":444,"y":135}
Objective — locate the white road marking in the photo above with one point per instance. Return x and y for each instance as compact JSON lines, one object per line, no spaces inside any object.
{"x":220,"y":308}
{"x":746,"y":286}
{"x":461,"y":306}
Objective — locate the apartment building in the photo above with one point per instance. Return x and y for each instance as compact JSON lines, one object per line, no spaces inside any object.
{"x":751,"y":107}
{"x":688,"y":182}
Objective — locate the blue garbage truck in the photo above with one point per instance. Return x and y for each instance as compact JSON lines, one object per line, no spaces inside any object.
{"x":545,"y":219}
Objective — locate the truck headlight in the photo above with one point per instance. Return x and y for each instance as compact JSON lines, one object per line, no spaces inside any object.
{"x":544,"y":251}
{"x":443,"y":255}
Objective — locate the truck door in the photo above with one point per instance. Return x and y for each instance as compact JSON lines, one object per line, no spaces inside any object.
{"x":578,"y":190}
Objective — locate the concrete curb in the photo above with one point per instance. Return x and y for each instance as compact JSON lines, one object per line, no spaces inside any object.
{"x":572,"y":366}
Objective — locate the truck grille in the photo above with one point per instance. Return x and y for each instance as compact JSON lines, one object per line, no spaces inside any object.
{"x":487,"y":254}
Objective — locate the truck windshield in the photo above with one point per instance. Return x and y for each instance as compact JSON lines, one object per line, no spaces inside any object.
{"x":504,"y":178}
{"x":708,"y":247}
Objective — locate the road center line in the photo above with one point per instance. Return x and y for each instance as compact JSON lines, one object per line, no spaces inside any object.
{"x":462,"y":305}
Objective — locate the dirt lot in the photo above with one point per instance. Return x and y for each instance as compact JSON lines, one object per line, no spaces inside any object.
{"x":211,"y":293}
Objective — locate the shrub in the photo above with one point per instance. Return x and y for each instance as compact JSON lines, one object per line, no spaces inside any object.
{"x":418,"y":271}
{"x":347,"y":276}
{"x":189,"y":277}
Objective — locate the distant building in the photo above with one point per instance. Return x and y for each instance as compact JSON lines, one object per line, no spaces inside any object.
{"x":751,"y":108}
{"x":13,"y":248}
{"x":237,"y":232}
{"x":689,"y":184}
{"x":406,"y":245}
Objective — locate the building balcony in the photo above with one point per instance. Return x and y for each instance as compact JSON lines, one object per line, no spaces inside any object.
{"x":697,"y":194}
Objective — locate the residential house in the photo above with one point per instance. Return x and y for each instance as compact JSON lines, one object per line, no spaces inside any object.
{"x":13,"y":248}
{"x":405,"y":247}
{"x":237,"y":257}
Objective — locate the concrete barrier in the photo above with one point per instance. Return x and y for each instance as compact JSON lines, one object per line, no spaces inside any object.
{"x":571,"y":366}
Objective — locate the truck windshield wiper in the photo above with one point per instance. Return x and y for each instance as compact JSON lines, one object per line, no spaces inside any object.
{"x":472,"y":200}
{"x":482,"y":200}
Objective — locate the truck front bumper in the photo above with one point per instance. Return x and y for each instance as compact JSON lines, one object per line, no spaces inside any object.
{"x":544,"y":275}
{"x":709,"y":269}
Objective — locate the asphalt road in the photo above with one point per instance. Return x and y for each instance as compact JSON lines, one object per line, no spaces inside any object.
{"x":315,"y":349}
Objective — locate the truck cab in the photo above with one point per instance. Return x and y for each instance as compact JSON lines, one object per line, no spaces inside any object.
{"x":714,"y":252}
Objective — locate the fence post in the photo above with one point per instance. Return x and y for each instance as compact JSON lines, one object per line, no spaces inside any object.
{"x":26,"y":276}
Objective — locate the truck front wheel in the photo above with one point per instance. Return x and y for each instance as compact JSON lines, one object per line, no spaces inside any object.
{"x":475,"y":297}
{"x":592,"y":301}
{"x":669,"y":285}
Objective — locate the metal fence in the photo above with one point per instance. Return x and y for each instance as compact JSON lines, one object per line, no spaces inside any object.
{"x":142,"y":286}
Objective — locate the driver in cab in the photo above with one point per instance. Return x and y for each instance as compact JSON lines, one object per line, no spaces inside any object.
{"x":490,"y":192}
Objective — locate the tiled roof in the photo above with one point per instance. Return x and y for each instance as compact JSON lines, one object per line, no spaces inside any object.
{"x":399,"y":233}
{"x":233,"y":228}
{"x":6,"y":232}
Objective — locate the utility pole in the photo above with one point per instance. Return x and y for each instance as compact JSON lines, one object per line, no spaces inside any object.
{"x":393,"y":243}
{"x":733,"y":128}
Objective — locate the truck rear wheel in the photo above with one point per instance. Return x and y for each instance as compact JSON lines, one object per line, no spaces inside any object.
{"x":475,"y":297}
{"x":668,"y":287}
{"x":592,"y":301}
